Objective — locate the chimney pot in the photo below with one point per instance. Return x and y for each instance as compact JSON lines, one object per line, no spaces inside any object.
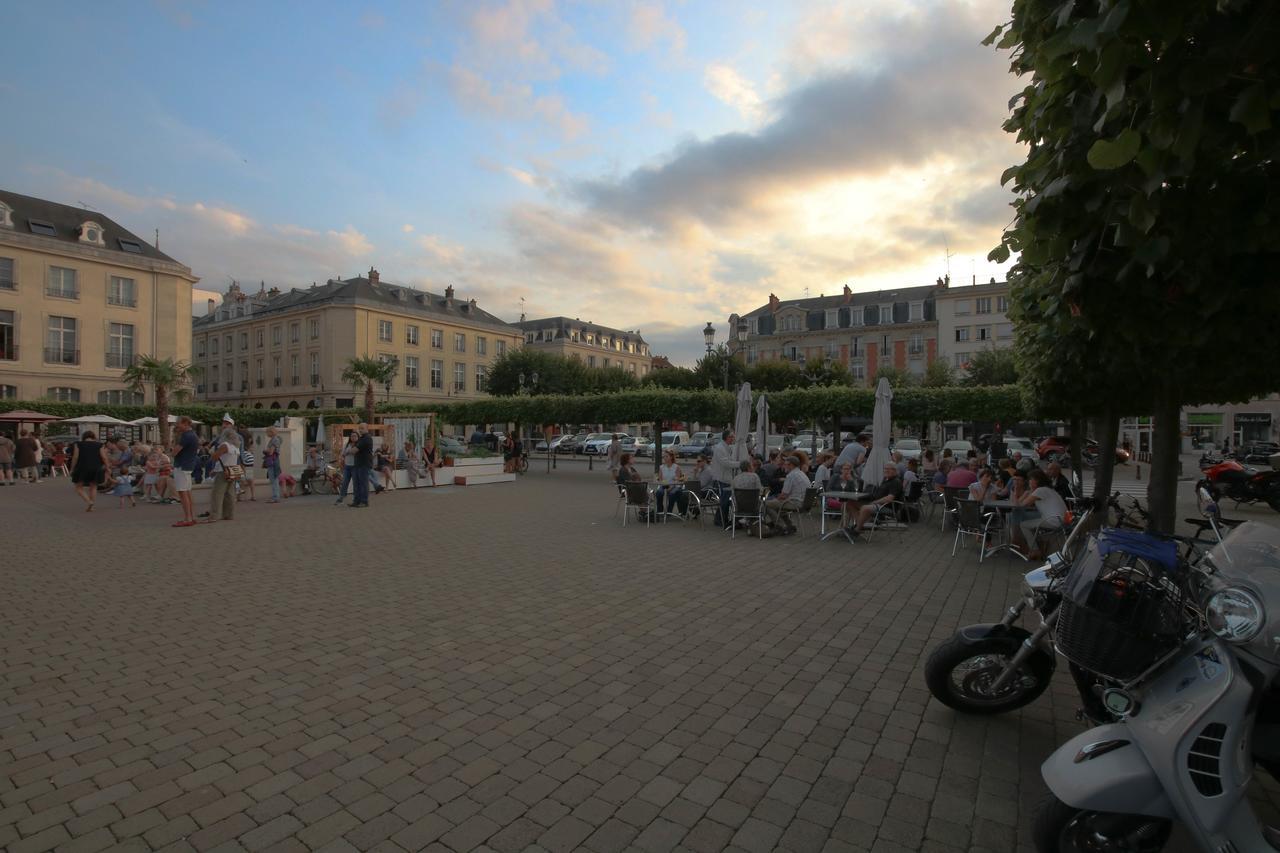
{"x":373,"y":276}
{"x":448,"y":294}
{"x":212,"y":306}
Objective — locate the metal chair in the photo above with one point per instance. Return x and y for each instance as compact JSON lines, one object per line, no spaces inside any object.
{"x":950,"y":495}
{"x":638,"y":498}
{"x":811,"y":496}
{"x":747,"y":503}
{"x":972,"y":520}
{"x":912,"y":502}
{"x":886,"y":517}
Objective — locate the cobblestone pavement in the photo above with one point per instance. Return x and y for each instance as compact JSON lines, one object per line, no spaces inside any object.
{"x":501,"y":667}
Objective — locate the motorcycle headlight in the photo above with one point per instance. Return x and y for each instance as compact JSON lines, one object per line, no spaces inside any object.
{"x":1234,"y":615}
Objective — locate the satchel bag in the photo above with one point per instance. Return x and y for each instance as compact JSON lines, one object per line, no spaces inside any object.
{"x":233,"y":472}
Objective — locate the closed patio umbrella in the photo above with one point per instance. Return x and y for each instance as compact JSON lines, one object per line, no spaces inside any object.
{"x":881,"y":428}
{"x":762,"y":425}
{"x":742,"y":421}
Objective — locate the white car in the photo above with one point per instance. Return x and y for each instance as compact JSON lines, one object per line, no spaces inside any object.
{"x":909,"y":448}
{"x":600,"y":445}
{"x":637,"y":446}
{"x":959,"y":447}
{"x":1021,"y":445}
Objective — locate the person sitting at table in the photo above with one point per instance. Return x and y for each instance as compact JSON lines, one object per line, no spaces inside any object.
{"x":984,"y":489}
{"x":940,"y":476}
{"x":1059,"y":482}
{"x":909,"y":473}
{"x":928,"y":464}
{"x":672,"y":478}
{"x":789,"y":498}
{"x":889,"y":490}
{"x":843,"y":481}
{"x":746,"y":478}
{"x":1022,"y":463}
{"x":823,"y":472}
{"x":1047,"y":511}
{"x":963,"y":474}
{"x":896,"y":458}
{"x":702,"y":472}
{"x":770,"y":467}
{"x":627,"y":472}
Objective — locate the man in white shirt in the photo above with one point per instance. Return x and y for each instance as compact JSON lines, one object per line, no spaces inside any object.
{"x":789,"y":499}
{"x":854,"y":453}
{"x":724,"y":467}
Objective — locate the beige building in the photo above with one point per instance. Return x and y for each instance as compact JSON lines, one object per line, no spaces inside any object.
{"x":279,"y":349}
{"x":80,"y":298}
{"x":863,"y":331}
{"x":593,"y":345}
{"x":972,"y":317}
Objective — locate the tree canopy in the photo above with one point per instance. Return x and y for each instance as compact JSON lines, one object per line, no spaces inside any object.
{"x":992,"y":367}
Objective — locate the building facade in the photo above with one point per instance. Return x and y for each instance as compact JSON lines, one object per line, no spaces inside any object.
{"x":972,"y":318}
{"x":593,"y":345}
{"x":863,"y":331}
{"x":287,"y":349}
{"x":80,"y":299}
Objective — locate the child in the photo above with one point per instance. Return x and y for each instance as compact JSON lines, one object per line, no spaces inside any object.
{"x":151,"y":477}
{"x":124,"y":489}
{"x":287,"y":484}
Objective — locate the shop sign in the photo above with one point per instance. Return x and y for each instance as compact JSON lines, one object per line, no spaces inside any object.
{"x":1205,"y":418}
{"x":1252,"y":418}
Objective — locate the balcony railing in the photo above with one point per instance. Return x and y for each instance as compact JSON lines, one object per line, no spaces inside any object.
{"x":62,"y":292}
{"x":261,"y":383}
{"x":124,"y":302}
{"x":200,"y":388}
{"x":244,"y":386}
{"x":916,"y":350}
{"x":61,"y":356}
{"x":119,"y":360}
{"x":8,"y":352}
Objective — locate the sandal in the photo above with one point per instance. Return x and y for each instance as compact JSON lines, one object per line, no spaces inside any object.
{"x":183,"y":524}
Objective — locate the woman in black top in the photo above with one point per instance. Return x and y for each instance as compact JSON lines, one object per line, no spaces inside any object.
{"x":843,"y":481}
{"x":88,"y":462}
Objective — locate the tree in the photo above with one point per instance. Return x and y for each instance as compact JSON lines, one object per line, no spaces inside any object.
{"x":899,"y":377}
{"x":992,"y":367}
{"x":1146,"y":209}
{"x":938,"y":374}
{"x":774,"y":376}
{"x":168,"y":376}
{"x":674,"y":377}
{"x":368,"y":373}
{"x":710,"y":369}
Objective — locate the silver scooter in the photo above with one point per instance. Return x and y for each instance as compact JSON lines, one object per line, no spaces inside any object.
{"x":1191,"y":727}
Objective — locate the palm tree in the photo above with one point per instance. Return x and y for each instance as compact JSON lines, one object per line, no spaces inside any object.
{"x":168,"y":375}
{"x":368,"y":373}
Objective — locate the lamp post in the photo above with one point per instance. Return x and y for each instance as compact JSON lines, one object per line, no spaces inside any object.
{"x":813,"y":379}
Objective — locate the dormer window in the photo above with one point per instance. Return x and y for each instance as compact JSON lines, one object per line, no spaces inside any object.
{"x":6,"y":215}
{"x":91,"y":232}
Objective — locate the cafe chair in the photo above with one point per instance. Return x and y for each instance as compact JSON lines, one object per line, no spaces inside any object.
{"x":972,"y":519}
{"x":747,"y":504}
{"x":950,"y":496}
{"x":811,"y":496}
{"x":638,"y":500}
{"x":886,"y":517}
{"x":836,"y":512}
{"x":912,"y":503}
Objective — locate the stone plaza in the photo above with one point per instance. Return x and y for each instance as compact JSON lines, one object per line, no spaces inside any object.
{"x":492,"y":668}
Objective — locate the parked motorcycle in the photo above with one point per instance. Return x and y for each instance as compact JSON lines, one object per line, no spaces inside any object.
{"x":1199,"y":713}
{"x":1229,"y":479}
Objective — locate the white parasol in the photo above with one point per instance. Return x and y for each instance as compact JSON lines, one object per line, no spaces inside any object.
{"x":881,"y":429}
{"x":320,"y":432}
{"x":742,"y":422}
{"x":762,"y":426}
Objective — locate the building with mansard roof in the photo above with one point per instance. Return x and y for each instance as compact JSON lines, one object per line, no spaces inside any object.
{"x":592,"y":344}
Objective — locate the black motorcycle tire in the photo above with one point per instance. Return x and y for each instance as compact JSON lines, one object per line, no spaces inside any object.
{"x":1057,"y":825}
{"x":945,"y":658}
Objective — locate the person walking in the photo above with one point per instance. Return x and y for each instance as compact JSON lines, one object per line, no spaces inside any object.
{"x":271,"y":462}
{"x":7,"y":451}
{"x":363,"y":466}
{"x":88,"y":465}
{"x":615,"y":456}
{"x":348,"y":459}
{"x":186,"y":455}
{"x":27,"y":458}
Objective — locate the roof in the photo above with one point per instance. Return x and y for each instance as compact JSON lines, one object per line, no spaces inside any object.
{"x":864,"y":297}
{"x":361,"y":291}
{"x":66,"y":220}
{"x":961,"y":291}
{"x":567,"y":322}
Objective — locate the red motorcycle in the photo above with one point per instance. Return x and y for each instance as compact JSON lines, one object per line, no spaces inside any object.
{"x":1229,"y":479}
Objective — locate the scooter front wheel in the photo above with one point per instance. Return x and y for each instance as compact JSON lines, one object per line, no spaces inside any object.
{"x":1060,"y":828}
{"x":960,"y":674}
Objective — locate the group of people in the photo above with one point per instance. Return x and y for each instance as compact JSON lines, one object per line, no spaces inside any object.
{"x":119,"y":468}
{"x":1039,"y":496}
{"x":29,"y":460}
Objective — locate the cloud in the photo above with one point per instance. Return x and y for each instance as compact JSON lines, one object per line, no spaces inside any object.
{"x":439,"y":250}
{"x":352,"y":241}
{"x":527,"y":39}
{"x":407,"y":228}
{"x":372,"y":20}
{"x":648,"y":25}
{"x":514,"y":101}
{"x":194,"y":142}
{"x":730,"y":87}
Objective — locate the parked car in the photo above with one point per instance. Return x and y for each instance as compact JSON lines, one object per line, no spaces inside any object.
{"x":696,"y":444}
{"x":554,"y":445}
{"x":599,"y":445}
{"x":674,"y":438}
{"x":637,"y":446}
{"x":1021,"y":445}
{"x":450,"y":446}
{"x":959,"y":447}
{"x":910,"y":448}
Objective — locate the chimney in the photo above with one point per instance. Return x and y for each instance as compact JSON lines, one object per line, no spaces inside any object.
{"x":448,"y":294}
{"x":373,"y":276}
{"x":848,"y":295}
{"x":471,"y":305}
{"x":773,"y":303}
{"x":273,"y":292}
{"x":213,"y":306}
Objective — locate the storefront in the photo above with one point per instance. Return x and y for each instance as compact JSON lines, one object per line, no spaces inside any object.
{"x":1205,"y":428}
{"x":1251,"y":427}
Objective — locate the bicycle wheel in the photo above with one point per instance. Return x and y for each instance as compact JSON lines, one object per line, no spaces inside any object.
{"x":322,"y":486}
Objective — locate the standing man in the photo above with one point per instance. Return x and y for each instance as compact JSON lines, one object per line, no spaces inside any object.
{"x":271,"y":462}
{"x":28,"y":458}
{"x":853,"y":454}
{"x":615,"y":457}
{"x":226,"y":453}
{"x":363,"y":467}
{"x":724,"y":467}
{"x":7,"y":450}
{"x":185,"y":452}
{"x":789,"y":499}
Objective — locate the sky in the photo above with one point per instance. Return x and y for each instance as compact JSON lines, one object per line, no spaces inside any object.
{"x":639,"y":164}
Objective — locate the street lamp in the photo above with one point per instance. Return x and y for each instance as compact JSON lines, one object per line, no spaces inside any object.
{"x":533,"y":382}
{"x":813,"y":379}
{"x":709,"y":335}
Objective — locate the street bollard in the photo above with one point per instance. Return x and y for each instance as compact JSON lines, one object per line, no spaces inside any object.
{"x":1139,"y":471}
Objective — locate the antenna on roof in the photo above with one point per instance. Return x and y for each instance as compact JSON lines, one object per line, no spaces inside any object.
{"x":521,"y":309}
{"x":947,"y":246}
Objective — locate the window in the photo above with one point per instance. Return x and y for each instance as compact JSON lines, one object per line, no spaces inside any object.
{"x":500,"y":348}
{"x":962,"y":307}
{"x":213,"y":377}
{"x":119,"y":345}
{"x":277,"y":335}
{"x":295,"y":378}
{"x":122,"y":291}
{"x":962,"y":360}
{"x":437,"y":374}
{"x":528,"y":337}
{"x":858,"y":372}
{"x":791,"y":323}
{"x":855,"y":347}
{"x":261,"y":339}
{"x":437,"y":339}
{"x":482,"y":345}
{"x":314,"y":325}
{"x":855,"y":316}
{"x":261,"y":379}
{"x":60,"y":341}
{"x":984,"y":333}
{"x":1002,"y":304}
{"x":459,"y":342}
{"x":917,"y":312}
{"x":411,"y":371}
{"x":459,"y":376}
{"x":962,"y":335}
{"x":7,"y":281}
{"x":91,"y":232}
{"x":231,"y":374}
{"x":8,"y":392}
{"x":229,"y":343}
{"x":41,"y":227}
{"x":384,"y":330}
{"x":213,"y":345}
{"x":315,"y":369}
{"x":295,"y":332}
{"x":833,"y":350}
{"x":62,"y":283}
{"x":275,"y":364}
{"x":482,"y":378}
{"x":832,"y":318}
{"x":8,"y":335}
{"x":6,"y":221}
{"x":916,"y":345}
{"x":65,"y":395}
{"x":411,"y":335}
{"x":244,"y":340}
{"x":244,"y":376}
{"x":133,"y":247}
{"x":1004,"y":331}
{"x":886,"y":315}
{"x":982,"y":305}
{"x":120,"y":398}
{"x":753,"y":325}
{"x":606,"y":362}
{"x":199,"y":347}
{"x":591,"y":361}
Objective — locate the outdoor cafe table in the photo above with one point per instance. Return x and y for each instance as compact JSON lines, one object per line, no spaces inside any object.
{"x":843,"y":497}
{"x":1004,"y":507}
{"x":658,"y":482}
